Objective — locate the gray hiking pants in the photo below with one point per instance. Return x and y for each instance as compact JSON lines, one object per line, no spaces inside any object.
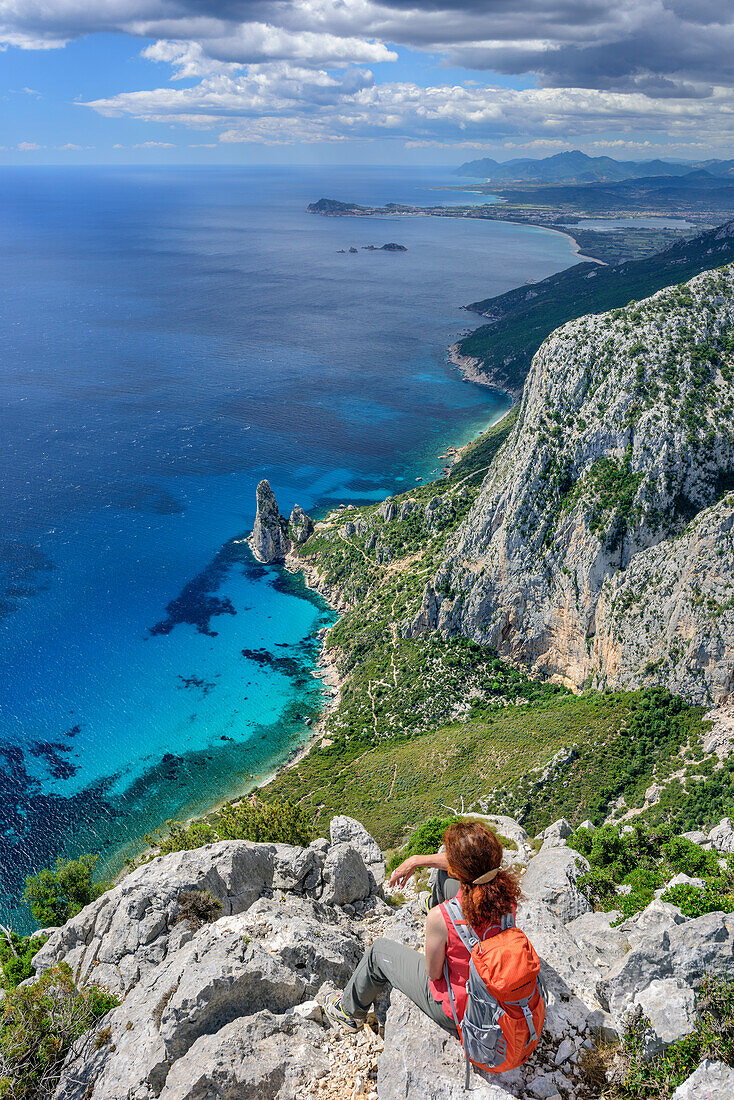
{"x":387,"y":962}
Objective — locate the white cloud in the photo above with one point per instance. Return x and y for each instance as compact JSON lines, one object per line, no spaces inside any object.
{"x":295,"y":70}
{"x":28,"y":146}
{"x":154,"y":145}
{"x":70,"y":145}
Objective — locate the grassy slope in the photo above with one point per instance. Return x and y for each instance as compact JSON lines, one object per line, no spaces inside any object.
{"x":506,"y":346}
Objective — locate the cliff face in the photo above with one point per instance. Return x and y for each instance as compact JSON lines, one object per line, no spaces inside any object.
{"x":600,"y":547}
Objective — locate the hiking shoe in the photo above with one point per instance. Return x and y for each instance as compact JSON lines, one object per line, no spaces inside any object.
{"x":424,"y":901}
{"x":340,"y":1020}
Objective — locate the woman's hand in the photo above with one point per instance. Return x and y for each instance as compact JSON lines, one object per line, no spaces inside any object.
{"x":401,"y":874}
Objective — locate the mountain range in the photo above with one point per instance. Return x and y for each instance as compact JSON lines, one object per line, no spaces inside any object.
{"x":574,"y":166}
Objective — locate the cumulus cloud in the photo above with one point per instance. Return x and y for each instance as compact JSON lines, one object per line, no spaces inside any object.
{"x":28,"y":146}
{"x":291,"y":70}
{"x":154,"y":145}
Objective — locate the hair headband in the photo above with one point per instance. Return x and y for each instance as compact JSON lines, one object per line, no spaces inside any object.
{"x":487,"y":877}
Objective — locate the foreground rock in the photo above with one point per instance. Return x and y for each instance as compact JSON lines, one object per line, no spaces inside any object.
{"x":711,"y":1081}
{"x":228,"y":1009}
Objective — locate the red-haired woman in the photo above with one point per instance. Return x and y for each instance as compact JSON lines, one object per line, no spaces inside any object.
{"x":471,"y":869}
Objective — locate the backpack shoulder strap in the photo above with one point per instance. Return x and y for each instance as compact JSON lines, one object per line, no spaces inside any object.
{"x":508,"y":921}
{"x":464,"y":930}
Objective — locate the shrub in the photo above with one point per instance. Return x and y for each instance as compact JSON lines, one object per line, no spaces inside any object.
{"x":645,"y":859}
{"x":197,"y":907}
{"x":39,"y":1024}
{"x":277,"y":822}
{"x":266,"y":823}
{"x":16,"y":953}
{"x":657,"y":1079}
{"x":56,"y":895}
{"x":427,"y":838}
{"x":694,"y":902}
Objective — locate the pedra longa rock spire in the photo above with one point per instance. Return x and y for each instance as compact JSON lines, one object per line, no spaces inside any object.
{"x":273,"y":535}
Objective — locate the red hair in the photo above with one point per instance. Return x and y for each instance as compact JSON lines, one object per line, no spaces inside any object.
{"x":472,"y":850}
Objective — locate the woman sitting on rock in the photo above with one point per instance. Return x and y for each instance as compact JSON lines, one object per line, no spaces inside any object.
{"x":470,"y":869}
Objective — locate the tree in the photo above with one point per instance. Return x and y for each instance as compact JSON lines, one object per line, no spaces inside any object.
{"x":56,"y":895}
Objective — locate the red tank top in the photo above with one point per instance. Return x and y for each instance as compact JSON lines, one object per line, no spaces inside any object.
{"x":458,"y":959}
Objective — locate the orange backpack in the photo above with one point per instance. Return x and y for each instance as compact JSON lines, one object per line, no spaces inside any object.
{"x":505,"y":1007}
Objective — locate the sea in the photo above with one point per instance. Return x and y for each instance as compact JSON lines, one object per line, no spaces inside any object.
{"x":168,"y":337}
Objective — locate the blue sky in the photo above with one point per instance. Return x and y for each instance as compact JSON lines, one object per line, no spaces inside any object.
{"x":360,"y":81}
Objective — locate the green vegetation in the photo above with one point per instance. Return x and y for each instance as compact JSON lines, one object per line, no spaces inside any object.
{"x":39,"y":1023}
{"x":644,"y":859}
{"x":56,"y":895}
{"x":658,"y":1078}
{"x":272,"y":822}
{"x":610,"y":488}
{"x":477,"y":457}
{"x":16,"y":954}
{"x":521,"y":320}
{"x":604,"y":745}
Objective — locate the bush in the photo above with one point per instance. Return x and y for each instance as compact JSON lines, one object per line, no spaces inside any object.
{"x":197,"y":907}
{"x":56,"y":895}
{"x":266,"y":823}
{"x":39,"y":1024}
{"x":427,"y":838}
{"x":645,"y":859}
{"x":657,"y":1079}
{"x":16,"y":953}
{"x":278,"y":822}
{"x":694,"y":902}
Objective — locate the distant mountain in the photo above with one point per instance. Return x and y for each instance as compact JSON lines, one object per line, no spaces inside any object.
{"x":576,"y":167}
{"x":501,"y":351}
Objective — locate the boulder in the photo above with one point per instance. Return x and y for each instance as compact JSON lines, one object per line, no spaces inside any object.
{"x":688,"y":951}
{"x":345,"y":830}
{"x":273,"y":957}
{"x":697,"y":836}
{"x":300,"y":525}
{"x":345,"y":876}
{"x":505,"y":826}
{"x":604,"y":946}
{"x":271,"y":1057}
{"x":551,"y":879}
{"x":722,"y":836}
{"x":129,"y":930}
{"x":681,"y":880}
{"x":422,"y":1062}
{"x":670,"y":1006}
{"x":555,"y":835}
{"x":568,"y":975}
{"x":268,"y":541}
{"x":711,"y":1081}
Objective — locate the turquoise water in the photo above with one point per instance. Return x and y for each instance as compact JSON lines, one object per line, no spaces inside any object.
{"x":167,"y":338}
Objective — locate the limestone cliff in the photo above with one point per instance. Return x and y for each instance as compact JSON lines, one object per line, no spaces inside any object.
{"x":600,"y":548}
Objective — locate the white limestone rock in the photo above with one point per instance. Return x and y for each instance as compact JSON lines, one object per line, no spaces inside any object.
{"x":722,"y":836}
{"x":551,"y":879}
{"x":670,"y":1006}
{"x":345,"y":830}
{"x":264,"y":1056}
{"x":710,"y":1081}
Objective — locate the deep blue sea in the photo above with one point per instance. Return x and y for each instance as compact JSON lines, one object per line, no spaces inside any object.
{"x":167,"y":338}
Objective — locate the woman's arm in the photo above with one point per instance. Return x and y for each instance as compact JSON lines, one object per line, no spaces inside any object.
{"x":409,"y":866}
{"x":436,"y":940}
